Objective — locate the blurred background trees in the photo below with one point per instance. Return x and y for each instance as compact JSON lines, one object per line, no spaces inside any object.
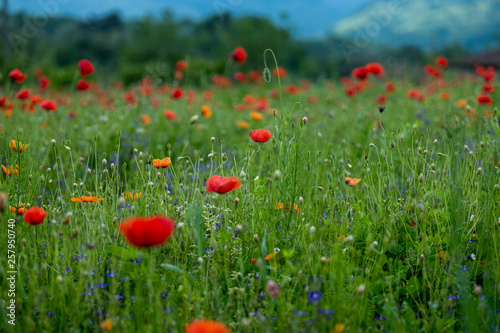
{"x":129,"y":50}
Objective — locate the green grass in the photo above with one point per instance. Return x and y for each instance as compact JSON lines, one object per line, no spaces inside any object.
{"x":355,"y":245}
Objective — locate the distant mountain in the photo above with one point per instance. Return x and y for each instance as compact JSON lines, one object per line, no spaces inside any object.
{"x":430,"y":24}
{"x":305,"y":18}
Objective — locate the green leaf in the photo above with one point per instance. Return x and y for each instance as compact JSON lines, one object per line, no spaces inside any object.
{"x":413,"y":286}
{"x":121,"y":252}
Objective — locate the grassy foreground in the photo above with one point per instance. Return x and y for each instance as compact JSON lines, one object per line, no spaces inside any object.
{"x":413,"y":246}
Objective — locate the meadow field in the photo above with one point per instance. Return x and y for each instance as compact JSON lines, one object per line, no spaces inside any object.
{"x":251,"y":202}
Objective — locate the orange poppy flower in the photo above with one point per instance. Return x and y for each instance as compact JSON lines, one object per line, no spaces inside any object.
{"x":164,"y":163}
{"x":16,"y":145}
{"x":242,"y":124}
{"x":107,"y":325}
{"x":206,"y":111}
{"x":256,"y":116}
{"x":351,"y":181}
{"x":85,"y":198}
{"x":461,"y":103}
{"x":271,"y":255}
{"x":206,"y":326}
{"x":279,"y":205}
{"x":222,"y":185}
{"x":10,"y":172}
{"x":444,"y":96}
{"x":470,"y":112}
{"x":19,"y":210}
{"x":146,"y":119}
{"x":132,"y":196}
{"x":339,"y":328}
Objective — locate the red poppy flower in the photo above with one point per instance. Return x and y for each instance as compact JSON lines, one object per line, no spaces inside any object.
{"x":147,"y":232}
{"x":441,"y":61}
{"x":178,"y":75}
{"x":3,"y":101}
{"x":240,"y":77}
{"x":412,"y":223}
{"x":86,"y":67}
{"x":350,"y":91}
{"x":432,"y":71}
{"x":239,"y":55}
{"x":82,"y":85}
{"x":23,"y":94}
{"x":292,"y":89}
{"x":181,"y":65}
{"x":345,"y":81}
{"x":281,"y":71}
{"x":220,"y":80}
{"x":222,"y":185}
{"x":254,"y":76}
{"x":375,"y":69}
{"x":260,"y":135}
{"x":38,"y":73}
{"x":390,"y":87}
{"x":414,"y":94}
{"x":381,"y":99}
{"x":262,"y":104}
{"x":34,"y":215}
{"x":129,"y":99}
{"x":359,"y":73}
{"x":17,"y":76}
{"x":176,"y":93}
{"x":484,"y":99}
{"x":169,"y":114}
{"x":488,"y":88}
{"x":206,"y":326}
{"x":43,"y":82}
{"x":489,"y":74}
{"x":48,"y":105}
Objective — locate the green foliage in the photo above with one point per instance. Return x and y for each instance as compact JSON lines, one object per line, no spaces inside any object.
{"x":397,"y":252}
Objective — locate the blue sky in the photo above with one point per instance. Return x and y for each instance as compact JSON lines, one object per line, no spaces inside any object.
{"x":306,"y":18}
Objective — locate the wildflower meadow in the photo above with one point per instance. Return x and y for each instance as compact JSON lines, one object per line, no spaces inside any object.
{"x":250,"y":201}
